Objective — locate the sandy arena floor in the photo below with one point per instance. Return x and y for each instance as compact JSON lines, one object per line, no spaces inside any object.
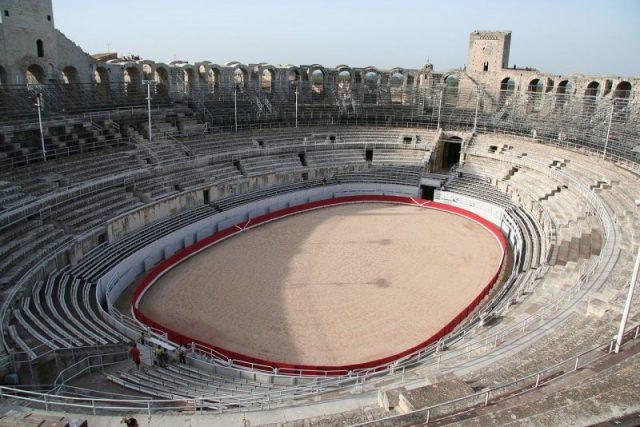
{"x":334,"y":286}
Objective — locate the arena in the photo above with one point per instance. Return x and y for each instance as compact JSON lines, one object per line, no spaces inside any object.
{"x":328,"y":245}
{"x":359,"y":300}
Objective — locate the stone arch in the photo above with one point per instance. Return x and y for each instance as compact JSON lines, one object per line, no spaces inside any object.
{"x":621,"y":99}
{"x":189,"y":77}
{"x":70,"y":75}
{"x":535,"y":86}
{"x":623,"y":90}
{"x":535,"y":89}
{"x":507,"y":85}
{"x":451,"y":89}
{"x":101,"y":75}
{"x":101,"y":78}
{"x":213,"y":79}
{"x":344,"y":81}
{"x":240,"y":77}
{"x":202,"y":73}
{"x":396,"y":87}
{"x":293,"y":78}
{"x":132,"y":80}
{"x":563,"y":93}
{"x":35,"y":74}
{"x":507,"y":88}
{"x":162,"y":80}
{"x":590,"y":96}
{"x":267,"y":79}
{"x":593,"y":89}
{"x":70,"y":79}
{"x":147,"y":71}
{"x":371,"y":82}
{"x":317,"y":76}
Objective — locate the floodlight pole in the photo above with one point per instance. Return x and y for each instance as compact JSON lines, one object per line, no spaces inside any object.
{"x":296,"y":106}
{"x":235,"y":106}
{"x":440,"y":107}
{"x":39,"y":106}
{"x":475,"y":119}
{"x":606,"y":141}
{"x":149,"y":83}
{"x":627,"y":305}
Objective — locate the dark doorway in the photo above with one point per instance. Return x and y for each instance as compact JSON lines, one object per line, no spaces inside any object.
{"x":426,"y":192}
{"x":451,"y":154}
{"x":205,"y":196}
{"x":368,"y":155}
{"x":303,"y":158}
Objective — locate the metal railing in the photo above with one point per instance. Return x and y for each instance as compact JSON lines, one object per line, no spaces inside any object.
{"x":510,"y":389}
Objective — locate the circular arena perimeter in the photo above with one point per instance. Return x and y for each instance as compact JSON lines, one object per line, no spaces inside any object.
{"x":349,"y":286}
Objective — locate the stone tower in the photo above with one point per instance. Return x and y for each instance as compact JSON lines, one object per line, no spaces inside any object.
{"x":488,"y":52}
{"x":27,"y":36}
{"x":32,"y":50}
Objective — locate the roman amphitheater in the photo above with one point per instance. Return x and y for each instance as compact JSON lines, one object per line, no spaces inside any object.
{"x":331,"y":246}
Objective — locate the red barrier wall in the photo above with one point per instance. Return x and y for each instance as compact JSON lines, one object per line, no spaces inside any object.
{"x":285,"y":368}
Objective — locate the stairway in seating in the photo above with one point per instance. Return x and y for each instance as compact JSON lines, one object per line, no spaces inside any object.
{"x":577,"y":248}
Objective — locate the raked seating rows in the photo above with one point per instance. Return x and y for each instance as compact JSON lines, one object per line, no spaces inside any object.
{"x":61,"y":312}
{"x":104,"y":256}
{"x":23,"y":246}
{"x":184,"y":381}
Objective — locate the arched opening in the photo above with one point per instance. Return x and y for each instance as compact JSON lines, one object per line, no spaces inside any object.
{"x":162,"y":81}
{"x":69,"y":75}
{"x":590,"y":97}
{"x":35,"y":75}
{"x":451,"y":90}
{"x":267,"y":78}
{"x":563,"y":93}
{"x":371,"y":81}
{"x":293,"y":77}
{"x":534,"y":92}
{"x":147,"y":72}
{"x":621,"y":99}
{"x":623,"y":90}
{"x":132,"y":81}
{"x":396,"y":92}
{"x":101,"y":77}
{"x":214,"y":80}
{"x":317,"y":84}
{"x":70,"y":80}
{"x":592,"y":90}
{"x":40,"y":48}
{"x":202,"y":73}
{"x":240,"y":78}
{"x":344,"y":82}
{"x":189,"y":78}
{"x":507,"y":87}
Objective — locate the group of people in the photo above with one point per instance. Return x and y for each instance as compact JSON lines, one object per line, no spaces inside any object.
{"x":161,"y":356}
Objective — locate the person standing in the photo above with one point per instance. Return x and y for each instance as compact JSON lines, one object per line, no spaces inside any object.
{"x":182,"y":355}
{"x":158,"y":354}
{"x":134,"y":352}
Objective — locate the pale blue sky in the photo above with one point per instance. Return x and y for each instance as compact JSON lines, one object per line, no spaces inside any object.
{"x":561,"y":36}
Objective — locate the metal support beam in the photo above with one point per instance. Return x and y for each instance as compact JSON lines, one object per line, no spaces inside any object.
{"x":235,"y":106}
{"x":627,"y":305}
{"x":149,"y":83}
{"x":440,"y":107}
{"x":39,"y":106}
{"x":606,"y":141}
